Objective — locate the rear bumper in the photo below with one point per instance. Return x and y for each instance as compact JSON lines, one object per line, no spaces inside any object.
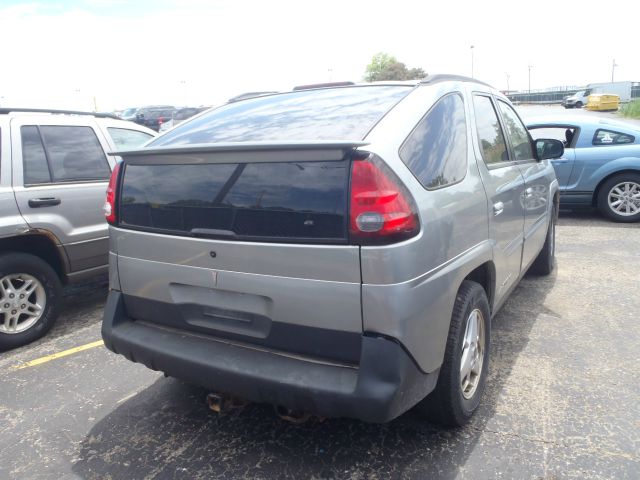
{"x":385,"y":384}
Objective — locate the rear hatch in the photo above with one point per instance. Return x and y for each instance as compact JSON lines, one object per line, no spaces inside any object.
{"x":236,"y":245}
{"x":236,"y":223}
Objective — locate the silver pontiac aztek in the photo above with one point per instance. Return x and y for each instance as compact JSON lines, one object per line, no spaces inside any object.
{"x":335,"y":250}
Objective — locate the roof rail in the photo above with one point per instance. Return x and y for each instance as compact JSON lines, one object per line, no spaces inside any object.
{"x":245,"y":96}
{"x":323,"y":85}
{"x":447,"y":77}
{"x":4,"y":111}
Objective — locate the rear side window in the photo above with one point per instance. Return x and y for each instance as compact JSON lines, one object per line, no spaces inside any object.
{"x":517,"y":133}
{"x":125,"y":138}
{"x":490,"y":136}
{"x":436,"y":150}
{"x":264,"y":201}
{"x":74,"y":153}
{"x":346,"y":113}
{"x":609,"y":137}
{"x":62,"y":154}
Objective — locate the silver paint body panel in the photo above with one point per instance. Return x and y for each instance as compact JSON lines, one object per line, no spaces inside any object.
{"x":405,"y":291}
{"x":76,"y":226}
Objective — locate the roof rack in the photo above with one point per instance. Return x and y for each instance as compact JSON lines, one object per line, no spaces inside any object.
{"x":447,"y":77}
{"x":4,"y":111}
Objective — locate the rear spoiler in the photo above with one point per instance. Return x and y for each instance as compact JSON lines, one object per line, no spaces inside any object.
{"x":254,"y":152}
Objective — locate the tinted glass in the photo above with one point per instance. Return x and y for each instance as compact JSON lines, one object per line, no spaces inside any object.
{"x":517,"y":133}
{"x":609,"y":137}
{"x":436,"y":150}
{"x":494,"y":148}
{"x":269,"y":201}
{"x":33,"y":157}
{"x":74,"y":153}
{"x":326,"y":114}
{"x":125,"y":138}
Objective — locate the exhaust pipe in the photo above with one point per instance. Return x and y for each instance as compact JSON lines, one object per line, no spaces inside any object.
{"x":296,"y":417}
{"x":221,"y":403}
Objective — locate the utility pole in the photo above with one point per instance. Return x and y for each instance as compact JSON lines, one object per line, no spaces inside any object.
{"x":530,"y":67}
{"x":471,"y":61}
{"x":613,"y":67}
{"x":507,"y":81}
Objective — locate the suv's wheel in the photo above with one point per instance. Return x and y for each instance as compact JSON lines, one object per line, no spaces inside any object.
{"x":466,"y":360}
{"x":619,"y":198}
{"x":578,"y":105}
{"x":30,"y":293}
{"x":546,"y":259}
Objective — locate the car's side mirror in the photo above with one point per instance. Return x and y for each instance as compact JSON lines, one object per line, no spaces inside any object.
{"x":547,"y":148}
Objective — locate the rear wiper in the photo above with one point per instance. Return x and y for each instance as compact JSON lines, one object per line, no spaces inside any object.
{"x":212,"y":233}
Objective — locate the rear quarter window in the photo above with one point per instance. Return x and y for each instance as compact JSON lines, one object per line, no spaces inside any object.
{"x":436,"y":150}
{"x":610,"y":137}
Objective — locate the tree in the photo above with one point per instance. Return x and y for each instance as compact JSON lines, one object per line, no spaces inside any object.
{"x":387,"y":67}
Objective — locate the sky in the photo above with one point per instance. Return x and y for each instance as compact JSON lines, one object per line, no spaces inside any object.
{"x":115,"y":54}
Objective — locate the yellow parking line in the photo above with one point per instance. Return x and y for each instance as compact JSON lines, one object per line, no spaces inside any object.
{"x":53,"y":356}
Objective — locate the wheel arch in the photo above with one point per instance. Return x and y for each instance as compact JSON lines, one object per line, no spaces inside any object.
{"x":39,"y":245}
{"x":485,"y":275}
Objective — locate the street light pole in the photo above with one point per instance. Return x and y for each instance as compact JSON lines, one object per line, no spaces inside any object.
{"x":507,"y":81}
{"x":530,"y":67}
{"x":471,"y":61}
{"x":613,"y":67}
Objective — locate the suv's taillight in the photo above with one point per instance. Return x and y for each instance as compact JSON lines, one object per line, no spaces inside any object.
{"x":382,"y":210}
{"x":109,"y":207}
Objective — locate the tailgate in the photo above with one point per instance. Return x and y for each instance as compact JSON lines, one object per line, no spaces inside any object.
{"x":253,"y":250}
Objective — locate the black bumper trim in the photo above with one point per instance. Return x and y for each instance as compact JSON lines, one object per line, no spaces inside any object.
{"x":386,"y":383}
{"x":314,"y":342}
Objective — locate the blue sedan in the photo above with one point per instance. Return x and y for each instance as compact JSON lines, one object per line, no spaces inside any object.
{"x":600,"y":166}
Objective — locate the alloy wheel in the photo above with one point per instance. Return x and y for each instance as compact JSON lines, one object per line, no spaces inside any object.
{"x":472,"y":358}
{"x":22,"y":302}
{"x":624,"y":199}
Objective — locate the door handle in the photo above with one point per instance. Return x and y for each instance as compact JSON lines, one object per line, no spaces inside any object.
{"x":44,"y":202}
{"x":498,"y":208}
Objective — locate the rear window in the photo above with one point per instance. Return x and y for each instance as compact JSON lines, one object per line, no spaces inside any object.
{"x":326,"y":114}
{"x":262,"y":201}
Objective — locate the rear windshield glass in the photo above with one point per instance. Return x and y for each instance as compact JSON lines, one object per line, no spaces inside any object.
{"x":261,"y":201}
{"x":325,"y":114}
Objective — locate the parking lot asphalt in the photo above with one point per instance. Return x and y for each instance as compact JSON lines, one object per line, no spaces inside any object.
{"x":561,"y":401}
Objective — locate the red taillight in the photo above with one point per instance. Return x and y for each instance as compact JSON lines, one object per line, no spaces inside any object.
{"x":382,"y":210}
{"x":109,"y":207}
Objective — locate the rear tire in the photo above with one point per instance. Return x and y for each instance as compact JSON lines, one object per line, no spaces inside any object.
{"x":458,"y":391}
{"x":546,"y":259}
{"x":27,"y":283}
{"x":613,"y":190}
